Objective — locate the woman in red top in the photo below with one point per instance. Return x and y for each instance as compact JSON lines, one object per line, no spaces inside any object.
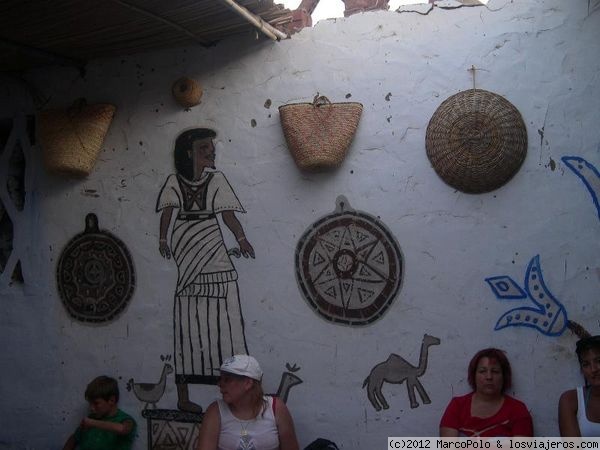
{"x":487,"y":411}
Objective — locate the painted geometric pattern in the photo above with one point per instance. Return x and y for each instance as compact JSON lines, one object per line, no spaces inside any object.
{"x":349,"y":266}
{"x":549,"y":316}
{"x":95,"y":274}
{"x":504,"y":287}
{"x":174,"y":435}
{"x":172,"y":429}
{"x":16,"y":138}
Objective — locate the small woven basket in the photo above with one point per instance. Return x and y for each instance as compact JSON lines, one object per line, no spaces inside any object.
{"x":187,"y":92}
{"x":318,"y":134}
{"x":72,"y":138}
{"x":476,"y":141}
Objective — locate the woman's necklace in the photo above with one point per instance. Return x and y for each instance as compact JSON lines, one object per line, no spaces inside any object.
{"x":245,"y":439}
{"x":244,"y":431}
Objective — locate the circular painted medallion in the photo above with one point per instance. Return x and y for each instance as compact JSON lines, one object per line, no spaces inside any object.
{"x":349,"y":266}
{"x":95,"y":274}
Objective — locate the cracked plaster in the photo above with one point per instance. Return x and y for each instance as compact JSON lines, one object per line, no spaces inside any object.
{"x":540,"y":55}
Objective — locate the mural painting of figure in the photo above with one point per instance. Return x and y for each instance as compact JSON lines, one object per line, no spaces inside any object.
{"x":207,"y":319}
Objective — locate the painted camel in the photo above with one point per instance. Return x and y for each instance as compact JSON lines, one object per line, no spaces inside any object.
{"x":396,"y":370}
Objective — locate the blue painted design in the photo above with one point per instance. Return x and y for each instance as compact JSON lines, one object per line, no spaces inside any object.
{"x":588,"y":174}
{"x":548,"y":316}
{"x":505,"y":288}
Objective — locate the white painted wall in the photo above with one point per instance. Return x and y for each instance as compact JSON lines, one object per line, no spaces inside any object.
{"x":542,"y":55}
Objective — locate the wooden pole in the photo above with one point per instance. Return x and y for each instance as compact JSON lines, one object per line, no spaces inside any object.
{"x":257,"y":21}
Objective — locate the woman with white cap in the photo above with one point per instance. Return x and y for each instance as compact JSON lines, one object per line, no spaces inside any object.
{"x":245,"y":418}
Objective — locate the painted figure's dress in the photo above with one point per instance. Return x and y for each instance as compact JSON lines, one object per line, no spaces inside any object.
{"x":207,"y":318}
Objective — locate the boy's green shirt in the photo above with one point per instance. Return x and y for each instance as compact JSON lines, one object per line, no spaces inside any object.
{"x":95,"y":439}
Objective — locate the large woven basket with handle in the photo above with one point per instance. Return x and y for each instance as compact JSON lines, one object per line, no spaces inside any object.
{"x":72,"y":138}
{"x":318,"y":134}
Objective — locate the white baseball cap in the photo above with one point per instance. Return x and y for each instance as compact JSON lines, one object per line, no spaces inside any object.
{"x":244,"y":365}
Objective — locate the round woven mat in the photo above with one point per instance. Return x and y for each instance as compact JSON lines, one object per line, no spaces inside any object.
{"x":476,"y":141}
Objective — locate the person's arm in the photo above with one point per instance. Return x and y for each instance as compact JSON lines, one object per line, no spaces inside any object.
{"x":523,"y":427}
{"x":523,"y":424}
{"x":71,"y":443}
{"x":448,"y":432}
{"x":235,"y":226}
{"x":285,"y":427}
{"x":122,"y":428}
{"x":450,"y":422}
{"x":567,"y":414}
{"x":210,"y":428}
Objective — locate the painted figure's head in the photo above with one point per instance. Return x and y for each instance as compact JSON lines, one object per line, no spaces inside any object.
{"x":102,"y":393}
{"x":194,"y":151}
{"x":588,"y":354}
{"x":489,"y":371}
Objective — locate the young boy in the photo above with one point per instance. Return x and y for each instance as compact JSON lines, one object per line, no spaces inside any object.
{"x":107,"y":427}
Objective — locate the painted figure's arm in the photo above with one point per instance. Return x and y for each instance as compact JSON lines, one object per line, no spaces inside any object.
{"x":285,"y":427}
{"x":210,"y":428}
{"x":235,"y":226}
{"x":567,"y":414}
{"x":165,"y":221}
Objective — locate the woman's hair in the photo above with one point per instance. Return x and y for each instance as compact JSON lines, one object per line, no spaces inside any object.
{"x":257,"y":398}
{"x":183,"y":143}
{"x":585,"y":344}
{"x":102,"y":387}
{"x":497,"y":355}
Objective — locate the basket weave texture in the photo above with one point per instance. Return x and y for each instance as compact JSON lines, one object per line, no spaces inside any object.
{"x":476,"y":141}
{"x":318,"y":134}
{"x":187,"y":92}
{"x":72,"y":138}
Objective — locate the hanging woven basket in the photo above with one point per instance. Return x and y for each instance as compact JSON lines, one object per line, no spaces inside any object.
{"x":476,"y":141}
{"x":187,"y":92}
{"x":72,"y":138}
{"x":318,"y":134}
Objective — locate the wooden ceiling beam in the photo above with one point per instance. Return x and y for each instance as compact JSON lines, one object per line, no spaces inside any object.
{"x":266,"y":28}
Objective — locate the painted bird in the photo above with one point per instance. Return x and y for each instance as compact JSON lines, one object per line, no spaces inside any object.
{"x":150,"y":393}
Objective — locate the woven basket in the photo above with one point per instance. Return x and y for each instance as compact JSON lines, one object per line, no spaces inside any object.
{"x":72,"y":138}
{"x":318,"y":134}
{"x":187,"y":92}
{"x":476,"y":141}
